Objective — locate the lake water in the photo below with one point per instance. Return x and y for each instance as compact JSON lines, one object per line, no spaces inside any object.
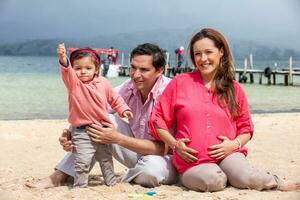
{"x":31,"y":88}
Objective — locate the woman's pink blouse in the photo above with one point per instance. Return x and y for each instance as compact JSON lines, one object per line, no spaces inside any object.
{"x":192,"y":111}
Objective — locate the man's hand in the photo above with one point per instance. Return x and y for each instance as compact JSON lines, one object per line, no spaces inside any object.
{"x":61,"y":53}
{"x":105,"y":134}
{"x":65,"y":140}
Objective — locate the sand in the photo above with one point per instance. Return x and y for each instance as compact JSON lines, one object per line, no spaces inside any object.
{"x":30,"y":149}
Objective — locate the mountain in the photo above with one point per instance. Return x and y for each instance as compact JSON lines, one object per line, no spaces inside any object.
{"x":168,"y":39}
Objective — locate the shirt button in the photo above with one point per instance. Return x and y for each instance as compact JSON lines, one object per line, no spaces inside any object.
{"x":208,"y":126}
{"x":207,"y":115}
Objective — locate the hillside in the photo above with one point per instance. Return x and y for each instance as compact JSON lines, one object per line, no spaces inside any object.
{"x":167,"y":39}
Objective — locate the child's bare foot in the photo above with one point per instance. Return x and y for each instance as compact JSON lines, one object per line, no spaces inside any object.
{"x":56,"y":179}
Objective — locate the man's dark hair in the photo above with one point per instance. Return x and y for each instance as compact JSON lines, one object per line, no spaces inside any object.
{"x":153,"y":50}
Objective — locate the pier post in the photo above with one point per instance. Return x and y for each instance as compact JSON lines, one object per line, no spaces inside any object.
{"x":245,"y":69}
{"x":291,"y":71}
{"x":251,"y":67}
{"x":269,"y":80}
{"x":274,"y":78}
{"x":286,"y":80}
{"x":260,"y":78}
{"x":251,"y":77}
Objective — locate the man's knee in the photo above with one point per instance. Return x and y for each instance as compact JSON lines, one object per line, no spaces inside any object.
{"x":154,"y":171}
{"x":146,"y":180}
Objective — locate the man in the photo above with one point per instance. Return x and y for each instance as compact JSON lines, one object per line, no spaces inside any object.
{"x":131,"y":144}
{"x":106,"y":63}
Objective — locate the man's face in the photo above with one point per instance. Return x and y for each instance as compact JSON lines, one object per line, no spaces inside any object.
{"x":143,"y":73}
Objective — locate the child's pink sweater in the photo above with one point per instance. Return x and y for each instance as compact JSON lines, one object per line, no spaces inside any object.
{"x":89,"y":102}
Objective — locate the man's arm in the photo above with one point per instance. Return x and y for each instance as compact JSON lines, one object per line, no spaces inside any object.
{"x":109,"y":135}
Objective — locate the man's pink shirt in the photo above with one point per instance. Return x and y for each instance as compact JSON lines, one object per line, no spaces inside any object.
{"x":139,"y":123}
{"x":194,"y":110}
{"x":89,"y":102}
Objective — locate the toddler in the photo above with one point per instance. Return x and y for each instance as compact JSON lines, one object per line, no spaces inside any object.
{"x":89,"y":100}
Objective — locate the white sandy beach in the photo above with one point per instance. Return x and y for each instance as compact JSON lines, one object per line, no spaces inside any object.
{"x":30,"y":149}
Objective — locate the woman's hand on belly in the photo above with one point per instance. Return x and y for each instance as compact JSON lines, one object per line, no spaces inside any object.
{"x":185,"y":152}
{"x":218,"y":151}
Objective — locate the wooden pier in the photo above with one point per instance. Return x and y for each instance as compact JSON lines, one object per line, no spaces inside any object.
{"x":244,"y":75}
{"x":268,"y":73}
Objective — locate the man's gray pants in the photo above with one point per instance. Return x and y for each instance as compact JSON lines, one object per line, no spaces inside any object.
{"x":145,"y":170}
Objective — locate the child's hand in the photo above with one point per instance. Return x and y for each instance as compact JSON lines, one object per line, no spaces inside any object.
{"x":61,"y":53}
{"x":128,"y":114}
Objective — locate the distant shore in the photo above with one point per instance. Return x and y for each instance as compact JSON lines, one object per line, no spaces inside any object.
{"x":30,"y":150}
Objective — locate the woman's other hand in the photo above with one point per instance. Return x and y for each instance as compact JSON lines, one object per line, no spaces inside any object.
{"x":218,"y":151}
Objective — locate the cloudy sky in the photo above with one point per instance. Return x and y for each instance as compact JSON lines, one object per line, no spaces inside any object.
{"x":272,"y":21}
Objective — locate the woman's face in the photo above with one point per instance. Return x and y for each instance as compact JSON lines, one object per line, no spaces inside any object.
{"x":207,"y":58}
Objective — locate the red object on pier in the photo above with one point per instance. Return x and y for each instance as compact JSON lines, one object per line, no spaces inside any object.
{"x":98,"y":50}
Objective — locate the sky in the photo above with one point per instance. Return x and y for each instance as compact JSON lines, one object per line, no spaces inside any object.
{"x":270,"y":21}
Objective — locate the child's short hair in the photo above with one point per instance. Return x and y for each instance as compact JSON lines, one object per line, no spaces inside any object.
{"x":80,"y":53}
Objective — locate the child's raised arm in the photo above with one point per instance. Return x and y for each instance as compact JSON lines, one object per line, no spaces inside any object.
{"x":61,"y":54}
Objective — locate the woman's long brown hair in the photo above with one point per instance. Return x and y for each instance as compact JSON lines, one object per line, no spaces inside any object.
{"x":225,"y":74}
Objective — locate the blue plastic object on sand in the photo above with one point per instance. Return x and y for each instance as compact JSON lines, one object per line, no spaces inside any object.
{"x":144,"y":195}
{"x":151,"y":193}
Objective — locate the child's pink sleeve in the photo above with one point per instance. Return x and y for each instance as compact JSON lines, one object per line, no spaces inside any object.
{"x":68,"y":75}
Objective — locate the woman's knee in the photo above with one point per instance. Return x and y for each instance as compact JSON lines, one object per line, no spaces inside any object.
{"x":209,"y":182}
{"x":242,"y":175}
{"x":256,"y":180}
